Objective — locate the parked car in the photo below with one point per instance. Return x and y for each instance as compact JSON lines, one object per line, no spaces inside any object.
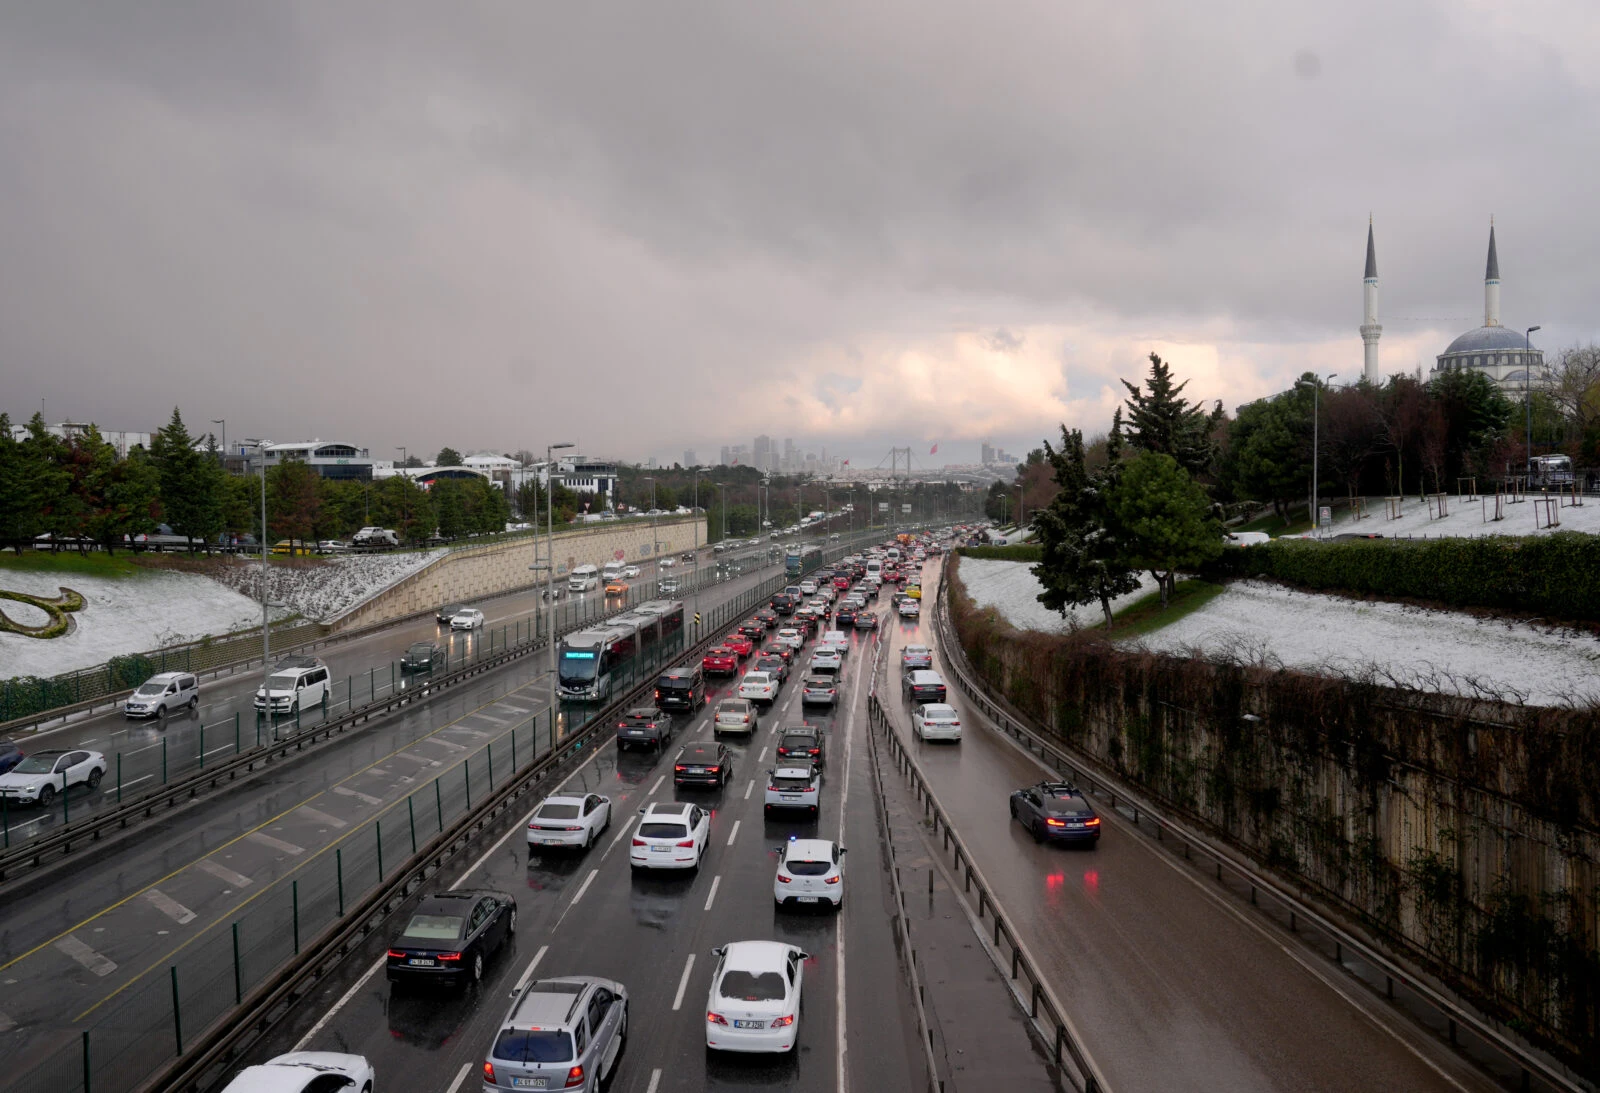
{"x":451,"y":935}
{"x":40,"y":776}
{"x":670,"y":835}
{"x":754,"y":1003}
{"x":565,"y":819}
{"x":422,"y":656}
{"x":707,"y":763}
{"x":557,"y":1028}
{"x":644,"y":726}
{"x":306,"y":1072}
{"x":161,"y":694}
{"x":810,"y":871}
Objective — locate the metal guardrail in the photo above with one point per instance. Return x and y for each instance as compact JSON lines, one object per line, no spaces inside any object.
{"x":1097,"y":781}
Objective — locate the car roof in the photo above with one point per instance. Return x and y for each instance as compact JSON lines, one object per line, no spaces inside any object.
{"x":563,"y":799}
{"x":643,"y":711}
{"x":793,"y":769}
{"x":758,"y":956}
{"x":925,"y":675}
{"x":1058,"y":789}
{"x":549,"y":1002}
{"x":938,"y":709}
{"x":700,"y":748}
{"x":807,"y":728}
{"x":166,"y":677}
{"x":675,"y":809}
{"x":808,"y":849}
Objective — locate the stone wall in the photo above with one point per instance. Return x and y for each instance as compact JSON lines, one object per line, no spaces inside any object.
{"x":471,"y":573}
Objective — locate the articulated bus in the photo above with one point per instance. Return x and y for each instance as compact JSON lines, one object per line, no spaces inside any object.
{"x":593,"y":662}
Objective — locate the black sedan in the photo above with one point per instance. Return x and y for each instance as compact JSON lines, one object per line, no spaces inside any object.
{"x":422,"y":656}
{"x":706,"y":764}
{"x":775,"y":663}
{"x":451,"y":935}
{"x":845,"y":618}
{"x":448,"y":612}
{"x":1056,"y":812}
{"x":866,"y":620}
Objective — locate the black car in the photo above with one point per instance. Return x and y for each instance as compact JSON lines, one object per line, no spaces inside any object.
{"x":767,"y":617}
{"x":866,"y":620}
{"x":774,"y":663}
{"x":802,"y":742}
{"x":422,"y":656}
{"x":1056,"y":812}
{"x":844,"y":618}
{"x":10,"y":755}
{"x":681,"y":688}
{"x":448,"y":612}
{"x":754,"y":629}
{"x":451,"y":935}
{"x":644,"y":726}
{"x":705,"y":764}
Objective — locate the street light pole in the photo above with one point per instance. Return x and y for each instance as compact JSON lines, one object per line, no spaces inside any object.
{"x":266,"y":631}
{"x":550,"y":555}
{"x":1316,"y":386}
{"x":1527,"y":396}
{"x":222,"y":421}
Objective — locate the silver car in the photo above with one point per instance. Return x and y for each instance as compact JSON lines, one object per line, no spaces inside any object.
{"x":560,"y":1034}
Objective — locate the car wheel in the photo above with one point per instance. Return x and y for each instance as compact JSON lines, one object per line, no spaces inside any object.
{"x":161,"y":712}
{"x":511,"y":924}
{"x":294,"y":707}
{"x":1038,"y":835}
{"x":194,"y":701}
{"x":94,"y":778}
{"x":46,"y":795}
{"x":477,"y":967}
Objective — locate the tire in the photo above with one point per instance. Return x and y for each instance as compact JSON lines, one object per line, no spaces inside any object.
{"x":161,"y":712}
{"x":194,"y":702}
{"x":511,"y":927}
{"x":294,"y":707}
{"x":588,"y":841}
{"x":1038,"y":836}
{"x":46,"y":795}
{"x":477,"y":968}
{"x":94,"y":778}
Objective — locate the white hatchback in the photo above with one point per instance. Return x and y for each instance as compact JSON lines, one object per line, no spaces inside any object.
{"x":808,"y":587}
{"x":909,"y":609}
{"x":303,"y":1070}
{"x":936,"y":721}
{"x":670,"y":835}
{"x":759,"y":687}
{"x":796,"y":785}
{"x":789,"y":636}
{"x":811,"y":871}
{"x":828,"y":660}
{"x":834,"y":639}
{"x":754,"y":1003}
{"x":569,"y":820}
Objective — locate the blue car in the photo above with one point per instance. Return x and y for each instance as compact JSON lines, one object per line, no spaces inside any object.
{"x":10,"y":756}
{"x":1056,"y":812}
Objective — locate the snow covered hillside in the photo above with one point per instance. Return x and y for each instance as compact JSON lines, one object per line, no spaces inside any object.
{"x":1011,"y":589}
{"x":1466,"y":518}
{"x":321,"y":591}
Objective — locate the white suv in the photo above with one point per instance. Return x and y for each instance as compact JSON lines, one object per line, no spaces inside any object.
{"x":795,"y":785}
{"x":670,"y":835}
{"x":811,"y":871}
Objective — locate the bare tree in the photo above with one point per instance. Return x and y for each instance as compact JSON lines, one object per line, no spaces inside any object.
{"x":1352,"y":430}
{"x":1401,"y":409}
{"x":1575,"y":384}
{"x":1433,"y":443}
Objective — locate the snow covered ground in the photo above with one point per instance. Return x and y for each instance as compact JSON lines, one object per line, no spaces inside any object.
{"x":121,"y":615}
{"x":1012,"y":589}
{"x":1422,"y":648}
{"x":1467,"y":517}
{"x":321,"y":591}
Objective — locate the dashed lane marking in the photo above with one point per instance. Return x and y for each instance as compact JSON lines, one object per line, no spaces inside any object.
{"x":734,"y":834}
{"x":77,"y":950}
{"x":748,"y":788}
{"x":276,"y":844}
{"x":321,"y":817}
{"x":655,"y":1080}
{"x":168,"y":906}
{"x":657,"y":786}
{"x":461,"y":1076}
{"x":712,"y":895}
{"x":223,"y":873}
{"x":683,"y":984}
{"x":364,"y":798}
{"x":584,"y":887}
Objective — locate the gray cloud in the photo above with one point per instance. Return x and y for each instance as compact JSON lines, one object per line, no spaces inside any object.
{"x":658,"y":225}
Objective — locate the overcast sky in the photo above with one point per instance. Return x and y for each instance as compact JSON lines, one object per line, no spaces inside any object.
{"x":656,"y":226}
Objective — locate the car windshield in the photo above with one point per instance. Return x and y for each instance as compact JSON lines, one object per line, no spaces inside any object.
{"x":579,"y":665}
{"x":807,"y":868}
{"x":434,"y":927}
{"x":421,"y":649}
{"x":283,"y":681}
{"x":151,"y":689}
{"x":533,"y":1046}
{"x":558,"y":812}
{"x":663,"y":831}
{"x":752,"y":986}
{"x":36,"y":764}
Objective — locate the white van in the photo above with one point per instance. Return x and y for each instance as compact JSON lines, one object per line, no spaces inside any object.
{"x":875,"y":570}
{"x":161,"y":694}
{"x":295,"y":684}
{"x":583,"y":578}
{"x":614,"y":571}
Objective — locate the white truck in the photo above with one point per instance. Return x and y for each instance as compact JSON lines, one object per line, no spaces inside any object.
{"x":375,"y":539}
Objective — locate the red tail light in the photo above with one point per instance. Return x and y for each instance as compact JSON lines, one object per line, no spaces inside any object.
{"x":658,"y":696}
{"x":816,"y":751}
{"x":782,"y":879}
{"x":488,"y":1071}
{"x":783,"y":1022}
{"x":715,"y":1018}
{"x":396,"y":954}
{"x":774,"y":789}
{"x":639,"y":842}
{"x":1095,"y":822}
{"x":574,"y":1076}
{"x":834,"y":879}
{"x":677,"y":767}
{"x":688,"y":843}
{"x":449,"y":956}
{"x":1056,"y":823}
{"x":713,"y":770}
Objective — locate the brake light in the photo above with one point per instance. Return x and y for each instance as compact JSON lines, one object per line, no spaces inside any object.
{"x":1095,"y":822}
{"x":774,"y":789}
{"x":783,"y":1022}
{"x":449,"y":956}
{"x":687,"y":843}
{"x":574,"y":1076}
{"x":677,"y":767}
{"x":658,"y":695}
{"x":639,"y":842}
{"x":488,"y":1071}
{"x":712,"y":770}
{"x":782,"y":879}
{"x":834,"y":879}
{"x":816,"y":751}
{"x":715,"y":1018}
{"x":1056,"y":823}
{"x":396,"y":954}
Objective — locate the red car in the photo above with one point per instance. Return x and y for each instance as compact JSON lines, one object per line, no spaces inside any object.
{"x":740,"y":644}
{"x":842,"y":583}
{"x":720,"y":661}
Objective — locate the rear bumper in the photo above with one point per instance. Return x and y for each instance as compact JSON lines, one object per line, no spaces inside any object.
{"x":404,"y":973}
{"x":696,"y":779}
{"x":728,"y":1038}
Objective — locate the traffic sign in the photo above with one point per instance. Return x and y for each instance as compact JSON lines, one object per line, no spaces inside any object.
{"x":697,"y":619}
{"x":619,"y":554}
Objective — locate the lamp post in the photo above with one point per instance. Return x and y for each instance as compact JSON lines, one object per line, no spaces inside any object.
{"x":550,"y":553}
{"x":266,"y":630}
{"x":1316,"y":387}
{"x":222,"y":421}
{"x":1527,"y":395}
{"x":655,"y":545}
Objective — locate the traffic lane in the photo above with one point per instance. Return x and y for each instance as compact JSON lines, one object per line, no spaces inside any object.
{"x":1163,"y":976}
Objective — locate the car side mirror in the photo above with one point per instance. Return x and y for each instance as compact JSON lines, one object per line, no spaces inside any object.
{"x":843,"y":851}
{"x":641,"y":812}
{"x":717,"y":952}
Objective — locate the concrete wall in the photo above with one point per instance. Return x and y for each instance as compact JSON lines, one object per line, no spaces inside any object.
{"x":474,"y":572}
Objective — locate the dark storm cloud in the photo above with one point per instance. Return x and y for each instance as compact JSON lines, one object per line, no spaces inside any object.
{"x":654,"y":226}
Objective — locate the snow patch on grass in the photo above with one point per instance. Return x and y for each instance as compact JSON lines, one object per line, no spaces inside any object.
{"x":1466,"y":518}
{"x":322,"y":591}
{"x":1012,"y":590}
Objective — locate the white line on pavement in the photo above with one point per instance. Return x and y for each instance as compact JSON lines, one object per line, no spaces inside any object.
{"x":657,"y":786}
{"x":168,"y":906}
{"x":748,"y":788}
{"x":655,"y":1080}
{"x":276,"y":844}
{"x":321,"y":817}
{"x":527,"y":973}
{"x":461,"y":1076}
{"x":86,"y":956}
{"x":735,"y":832}
{"x":223,"y":873}
{"x":683,"y":983}
{"x":762,"y":758}
{"x":136,"y":781}
{"x":623,"y":834}
{"x":712,"y":895}
{"x":584,"y":887}
{"x":364,"y":798}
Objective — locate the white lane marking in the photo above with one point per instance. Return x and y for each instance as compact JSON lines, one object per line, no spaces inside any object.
{"x":623,"y":834}
{"x":136,"y":781}
{"x":734,"y":834}
{"x":492,"y":720}
{"x":443,"y":743}
{"x":475,"y":866}
{"x":657,"y":786}
{"x":276,"y":844}
{"x":364,"y":798}
{"x":340,"y":1004}
{"x":223,"y":873}
{"x":416,"y":759}
{"x":712,"y":895}
{"x":842,"y":1075}
{"x":321,"y":817}
{"x":683,"y":983}
{"x":762,"y":758}
{"x":527,"y":973}
{"x":461,"y":1076}
{"x":748,"y":788}
{"x":219,"y":747}
{"x":655,"y":1080}
{"x":168,"y":906}
{"x":86,"y":956}
{"x":7,"y":1024}
{"x":476,"y":734}
{"x":584,"y":887}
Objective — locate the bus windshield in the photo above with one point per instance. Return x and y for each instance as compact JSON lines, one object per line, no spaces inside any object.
{"x":579,"y":665}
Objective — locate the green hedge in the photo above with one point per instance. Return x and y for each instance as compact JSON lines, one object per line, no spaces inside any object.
{"x":1018,"y":552}
{"x":1558,"y":574}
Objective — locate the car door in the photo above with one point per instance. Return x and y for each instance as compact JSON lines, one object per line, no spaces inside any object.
{"x":796,"y":975}
{"x":478,"y":927}
{"x":594,"y":812}
{"x":62,"y":771}
{"x":605,"y":1021}
{"x":1033,"y":807}
{"x":700,"y":824}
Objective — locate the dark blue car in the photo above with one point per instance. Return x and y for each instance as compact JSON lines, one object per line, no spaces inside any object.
{"x":10,"y":756}
{"x":1056,"y":812}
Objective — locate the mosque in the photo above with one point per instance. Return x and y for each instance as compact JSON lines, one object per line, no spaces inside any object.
{"x":1499,"y":352}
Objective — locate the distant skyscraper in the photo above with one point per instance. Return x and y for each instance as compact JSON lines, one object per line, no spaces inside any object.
{"x":791,"y":458}
{"x":688,"y":458}
{"x":761,"y":453}
{"x":727,"y":455}
{"x":987,"y":455}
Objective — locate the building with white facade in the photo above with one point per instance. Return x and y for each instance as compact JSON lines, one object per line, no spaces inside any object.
{"x":329,"y":458}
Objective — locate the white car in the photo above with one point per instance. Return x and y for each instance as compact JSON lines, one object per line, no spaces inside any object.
{"x":468,"y":619}
{"x":834,"y":639}
{"x":759,"y":687}
{"x":306,"y":1072}
{"x":810,"y":871}
{"x":735,"y":715}
{"x":936,"y":721}
{"x":754,"y":1004}
{"x":828,"y":660}
{"x":43,"y":774}
{"x":569,"y":820}
{"x":797,"y":784}
{"x":665,"y":563}
{"x":808,"y":587}
{"x":160,"y":694}
{"x":909,"y":609}
{"x":789,"y":636}
{"x":629,"y":572}
{"x":670,"y":835}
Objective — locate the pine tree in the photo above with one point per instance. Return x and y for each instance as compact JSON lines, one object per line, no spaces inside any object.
{"x":1161,"y":420}
{"x":191,"y":483}
{"x":1084,"y":557}
{"x":447,"y":457}
{"x":1166,"y":517}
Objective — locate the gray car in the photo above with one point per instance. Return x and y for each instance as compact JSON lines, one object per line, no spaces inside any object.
{"x":554,"y":1028}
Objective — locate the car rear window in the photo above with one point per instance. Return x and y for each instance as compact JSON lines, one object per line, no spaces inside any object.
{"x":731,"y":707}
{"x":792,"y":784}
{"x":752,"y":986}
{"x":558,"y":812}
{"x":807,"y":868}
{"x":663,"y":831}
{"x":802,"y":742}
{"x":672,"y":683}
{"x":434,"y":927}
{"x":542,"y":1046}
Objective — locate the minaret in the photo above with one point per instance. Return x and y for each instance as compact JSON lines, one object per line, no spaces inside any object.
{"x":1370,"y":330}
{"x":1491,"y":284}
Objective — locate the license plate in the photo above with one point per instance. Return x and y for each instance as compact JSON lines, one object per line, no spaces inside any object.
{"x":805,"y":899}
{"x":528,"y":1083}
{"x":551,"y":842}
{"x":420,"y":962}
{"x":661,"y":850}
{"x":749,"y":1024}
{"x":788,"y":796}
{"x":1071,"y":824}
{"x":697,"y":770}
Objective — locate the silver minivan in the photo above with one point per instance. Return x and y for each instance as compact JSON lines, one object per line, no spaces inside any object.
{"x":161,"y":694}
{"x":560,"y":1034}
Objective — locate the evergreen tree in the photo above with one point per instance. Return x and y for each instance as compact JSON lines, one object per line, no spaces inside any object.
{"x":41,"y":483}
{"x":1161,"y":420}
{"x":1166,"y":517}
{"x":294,"y":502}
{"x":15,"y":511}
{"x":447,"y":457}
{"x":1084,"y":559}
{"x":1269,"y":451}
{"x":449,"y":509}
{"x":191,"y":483}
